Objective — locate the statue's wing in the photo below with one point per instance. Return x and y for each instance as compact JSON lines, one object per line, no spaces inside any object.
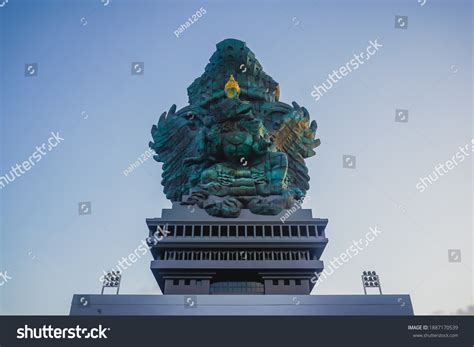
{"x":293,"y":134}
{"x":175,"y":138}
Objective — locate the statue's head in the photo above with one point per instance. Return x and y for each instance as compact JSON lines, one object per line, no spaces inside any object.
{"x":233,"y":72}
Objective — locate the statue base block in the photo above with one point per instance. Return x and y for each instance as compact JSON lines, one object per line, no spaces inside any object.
{"x":242,"y":305}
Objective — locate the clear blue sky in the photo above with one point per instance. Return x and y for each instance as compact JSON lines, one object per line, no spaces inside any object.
{"x":84,"y":52}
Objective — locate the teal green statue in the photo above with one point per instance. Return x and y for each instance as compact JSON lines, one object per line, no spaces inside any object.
{"x":235,"y":145}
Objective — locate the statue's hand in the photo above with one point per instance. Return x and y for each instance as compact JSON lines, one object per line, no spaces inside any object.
{"x":300,"y":113}
{"x":262,"y":145}
{"x":259,"y":177}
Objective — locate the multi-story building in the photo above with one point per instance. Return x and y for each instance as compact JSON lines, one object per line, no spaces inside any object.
{"x":248,"y":255}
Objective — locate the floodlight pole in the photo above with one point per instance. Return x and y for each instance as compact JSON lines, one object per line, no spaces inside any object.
{"x":120,"y":280}
{"x":376,"y":281}
{"x":106,"y":281}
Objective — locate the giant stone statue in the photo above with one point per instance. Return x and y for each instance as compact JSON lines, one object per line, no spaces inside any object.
{"x":235,"y":145}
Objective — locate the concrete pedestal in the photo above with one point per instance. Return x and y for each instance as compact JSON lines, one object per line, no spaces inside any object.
{"x":241,"y":305}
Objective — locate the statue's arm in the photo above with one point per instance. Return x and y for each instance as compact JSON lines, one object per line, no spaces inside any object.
{"x":261,"y":144}
{"x":205,"y":148}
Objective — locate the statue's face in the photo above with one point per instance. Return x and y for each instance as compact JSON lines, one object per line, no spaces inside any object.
{"x":231,"y":109}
